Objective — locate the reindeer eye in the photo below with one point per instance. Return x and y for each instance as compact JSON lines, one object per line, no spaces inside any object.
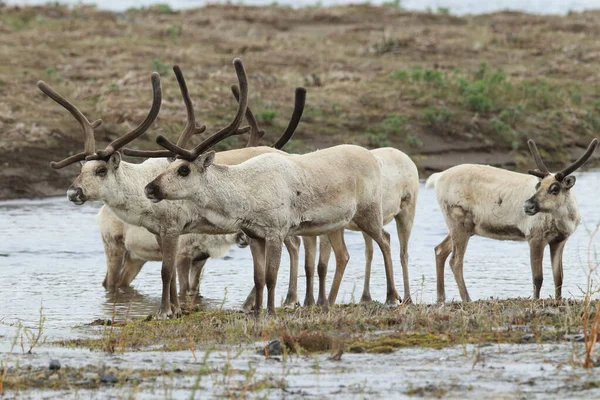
{"x":101,"y":171}
{"x":184,"y":170}
{"x":554,"y":189}
{"x":538,"y":185}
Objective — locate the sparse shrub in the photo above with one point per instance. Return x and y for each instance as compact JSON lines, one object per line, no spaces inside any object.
{"x":113,"y":86}
{"x":378,"y":140}
{"x":576,"y":97}
{"x":53,"y":74}
{"x":436,"y":116}
{"x":401,"y":75}
{"x":393,"y":123}
{"x":162,"y":8}
{"x":397,"y":4}
{"x":511,"y":115}
{"x":173,"y":32}
{"x":443,"y":10}
{"x":266,"y":116}
{"x":160,"y":67}
{"x":413,"y":141}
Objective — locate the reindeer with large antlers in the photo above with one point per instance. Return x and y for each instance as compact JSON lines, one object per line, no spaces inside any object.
{"x":121,"y":185}
{"x":276,"y":195}
{"x":504,"y":205}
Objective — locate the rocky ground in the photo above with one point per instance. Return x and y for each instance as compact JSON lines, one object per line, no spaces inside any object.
{"x":442,"y":88}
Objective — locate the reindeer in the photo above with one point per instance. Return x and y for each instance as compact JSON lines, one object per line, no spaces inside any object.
{"x":120,"y":184}
{"x":273,"y":196}
{"x":129,"y":247}
{"x":400,"y":188}
{"x":504,"y":205}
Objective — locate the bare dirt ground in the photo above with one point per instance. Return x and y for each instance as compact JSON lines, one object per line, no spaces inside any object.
{"x":444,"y":89}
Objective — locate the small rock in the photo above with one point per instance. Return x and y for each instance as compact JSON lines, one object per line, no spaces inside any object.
{"x":527,"y":338}
{"x":54,"y":365}
{"x":109,"y":378}
{"x":274,"y":348}
{"x":577,"y":338}
{"x":178,"y":370}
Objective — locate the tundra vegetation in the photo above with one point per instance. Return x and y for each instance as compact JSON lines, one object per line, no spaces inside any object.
{"x":438,"y":87}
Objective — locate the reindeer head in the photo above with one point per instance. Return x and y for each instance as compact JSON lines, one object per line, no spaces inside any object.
{"x":191,"y":167}
{"x":553,"y":190}
{"x":98,"y":168}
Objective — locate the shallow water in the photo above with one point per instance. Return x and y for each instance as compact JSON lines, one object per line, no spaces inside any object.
{"x":458,"y":7}
{"x":51,"y":256}
{"x":539,"y":371}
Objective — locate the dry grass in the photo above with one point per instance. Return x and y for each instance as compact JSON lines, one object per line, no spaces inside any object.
{"x":360,"y":328}
{"x":360,"y":63}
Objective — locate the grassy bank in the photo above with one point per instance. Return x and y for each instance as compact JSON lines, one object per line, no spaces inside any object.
{"x":444,"y":89}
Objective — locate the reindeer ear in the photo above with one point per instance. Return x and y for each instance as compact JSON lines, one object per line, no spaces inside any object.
{"x":115,"y":160}
{"x":206,"y":159}
{"x":568,"y":182}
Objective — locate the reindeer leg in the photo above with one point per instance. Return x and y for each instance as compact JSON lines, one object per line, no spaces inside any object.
{"x":183,"y":263}
{"x":259,"y":258}
{"x":310,"y":252}
{"x":404,"y":224}
{"x":131,"y":269}
{"x":442,"y":251}
{"x":195,"y":274}
{"x":115,"y":251}
{"x":169,"y":304}
{"x":258,"y":255}
{"x":556,"y":252}
{"x":460,"y":240}
{"x":324,"y":254}
{"x":341,"y":261}
{"x":292,"y":243}
{"x":273,"y":247}
{"x":536,"y":255}
{"x":366,"y":295}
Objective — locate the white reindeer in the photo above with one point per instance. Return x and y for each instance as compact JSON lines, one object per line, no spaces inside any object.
{"x":129,"y":247}
{"x":504,"y":205}
{"x":120,"y":184}
{"x":400,"y":188}
{"x":273,"y":196}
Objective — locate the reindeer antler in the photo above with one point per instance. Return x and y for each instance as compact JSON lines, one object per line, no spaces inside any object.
{"x":229,"y":130}
{"x":580,"y":161}
{"x":140,"y":130}
{"x":541,"y":171}
{"x":191,"y":128}
{"x":256,"y":134}
{"x":89,"y":152}
{"x":89,"y":144}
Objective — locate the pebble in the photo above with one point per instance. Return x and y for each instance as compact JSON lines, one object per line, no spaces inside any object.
{"x":577,"y":338}
{"x":528,"y":337}
{"x":274,"y":348}
{"x":109,"y":378}
{"x":54,"y":365}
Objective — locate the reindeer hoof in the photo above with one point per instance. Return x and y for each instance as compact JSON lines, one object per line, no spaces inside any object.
{"x":163,"y":316}
{"x":309,"y":302}
{"x":290,"y":302}
{"x":365,"y":298}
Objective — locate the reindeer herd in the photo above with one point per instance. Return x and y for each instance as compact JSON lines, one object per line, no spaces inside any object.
{"x":184,"y":206}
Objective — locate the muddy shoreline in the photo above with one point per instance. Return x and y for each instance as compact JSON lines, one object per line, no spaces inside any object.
{"x":444,"y":89}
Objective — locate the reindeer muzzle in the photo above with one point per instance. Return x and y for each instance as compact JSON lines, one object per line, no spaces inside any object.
{"x":241,"y":240}
{"x":153,"y":193}
{"x":531,"y":207}
{"x":76,"y":196}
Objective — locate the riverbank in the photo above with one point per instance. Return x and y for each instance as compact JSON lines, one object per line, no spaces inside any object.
{"x":492,"y":348}
{"x":444,"y":89}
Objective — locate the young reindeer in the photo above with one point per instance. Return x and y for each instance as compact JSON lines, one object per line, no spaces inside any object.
{"x":121,"y":185}
{"x":129,"y":247}
{"x":273,"y":196}
{"x":504,"y":205}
